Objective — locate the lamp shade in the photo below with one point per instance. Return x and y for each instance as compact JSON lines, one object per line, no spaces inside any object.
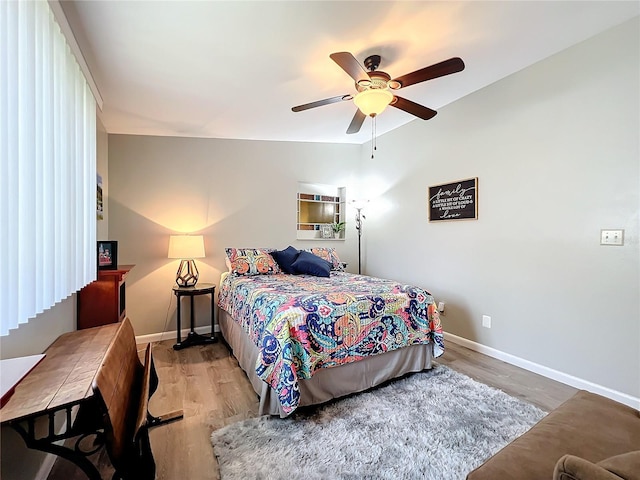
{"x":373,"y":101}
{"x":186,"y":246}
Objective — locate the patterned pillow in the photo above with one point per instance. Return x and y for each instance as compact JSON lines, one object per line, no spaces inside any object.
{"x":251,"y":261}
{"x":328,"y":254}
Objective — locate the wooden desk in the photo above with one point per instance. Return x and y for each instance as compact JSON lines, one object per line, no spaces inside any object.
{"x":60,"y":383}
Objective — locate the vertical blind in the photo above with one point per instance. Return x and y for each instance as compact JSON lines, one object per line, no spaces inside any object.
{"x":48,"y":166}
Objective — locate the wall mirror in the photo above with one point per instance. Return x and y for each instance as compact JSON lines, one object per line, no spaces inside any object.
{"x":319,"y":208}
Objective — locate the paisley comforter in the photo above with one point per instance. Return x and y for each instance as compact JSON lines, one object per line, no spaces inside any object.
{"x":301,"y":323}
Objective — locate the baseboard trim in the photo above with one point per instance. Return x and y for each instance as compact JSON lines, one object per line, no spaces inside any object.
{"x":545,"y":371}
{"x":159,"y":337}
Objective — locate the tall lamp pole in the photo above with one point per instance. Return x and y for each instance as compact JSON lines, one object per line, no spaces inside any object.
{"x":359,"y":217}
{"x":359,"y":229}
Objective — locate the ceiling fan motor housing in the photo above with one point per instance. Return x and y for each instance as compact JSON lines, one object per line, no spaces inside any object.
{"x":377,"y":79}
{"x":372,"y":62}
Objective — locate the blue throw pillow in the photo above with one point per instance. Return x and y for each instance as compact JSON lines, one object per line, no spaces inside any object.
{"x":311,"y":265}
{"x":285,"y":258}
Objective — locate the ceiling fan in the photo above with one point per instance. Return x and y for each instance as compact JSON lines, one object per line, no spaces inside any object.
{"x":375,"y":87}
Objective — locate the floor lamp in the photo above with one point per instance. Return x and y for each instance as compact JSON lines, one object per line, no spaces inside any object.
{"x":359,"y":205}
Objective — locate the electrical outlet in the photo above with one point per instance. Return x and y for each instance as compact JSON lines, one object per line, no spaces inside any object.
{"x":486,"y":321}
{"x":612,"y":237}
{"x":441,"y":308}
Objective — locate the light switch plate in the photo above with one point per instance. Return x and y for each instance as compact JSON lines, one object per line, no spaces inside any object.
{"x":612,"y":237}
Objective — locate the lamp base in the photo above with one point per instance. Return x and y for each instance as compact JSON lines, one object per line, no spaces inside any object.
{"x":187,"y":275}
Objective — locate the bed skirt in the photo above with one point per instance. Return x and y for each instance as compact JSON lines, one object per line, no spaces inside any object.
{"x":326,"y":383}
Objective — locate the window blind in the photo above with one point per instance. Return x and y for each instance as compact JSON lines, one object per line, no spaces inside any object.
{"x":47,"y":166}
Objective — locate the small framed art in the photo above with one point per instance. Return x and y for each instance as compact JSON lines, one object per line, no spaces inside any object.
{"x":326,"y":231}
{"x":107,"y":255}
{"x":99,"y":204}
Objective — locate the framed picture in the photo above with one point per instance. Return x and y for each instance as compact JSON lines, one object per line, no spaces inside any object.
{"x":107,"y":255}
{"x":99,"y":205}
{"x":454,"y":201}
{"x":326,"y":231}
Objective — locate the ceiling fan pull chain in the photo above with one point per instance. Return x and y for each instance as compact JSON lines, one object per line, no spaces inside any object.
{"x":373,"y":126}
{"x":375,"y":132}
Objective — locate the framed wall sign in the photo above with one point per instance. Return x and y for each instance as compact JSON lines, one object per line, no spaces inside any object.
{"x":107,"y":255}
{"x":454,"y":201}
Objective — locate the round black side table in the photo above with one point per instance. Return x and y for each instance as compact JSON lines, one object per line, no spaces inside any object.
{"x":194,"y":338}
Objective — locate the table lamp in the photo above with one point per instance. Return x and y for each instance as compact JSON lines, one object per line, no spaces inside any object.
{"x":186,"y":248}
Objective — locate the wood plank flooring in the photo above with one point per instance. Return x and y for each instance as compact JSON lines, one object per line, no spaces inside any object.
{"x":207,"y":383}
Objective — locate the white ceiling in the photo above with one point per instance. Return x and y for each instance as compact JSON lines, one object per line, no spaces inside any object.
{"x":234,"y":69}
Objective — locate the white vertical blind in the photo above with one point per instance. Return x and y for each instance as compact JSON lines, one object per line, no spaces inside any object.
{"x":48,"y":166}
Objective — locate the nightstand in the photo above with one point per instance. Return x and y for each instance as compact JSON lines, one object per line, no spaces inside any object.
{"x":194,"y":338}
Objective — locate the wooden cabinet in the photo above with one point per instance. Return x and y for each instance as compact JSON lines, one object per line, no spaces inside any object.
{"x":103,"y":301}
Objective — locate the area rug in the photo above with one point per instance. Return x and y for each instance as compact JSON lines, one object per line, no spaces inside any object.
{"x":437,"y":424}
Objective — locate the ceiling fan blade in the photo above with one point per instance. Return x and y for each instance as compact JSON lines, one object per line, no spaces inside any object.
{"x":413,"y":108}
{"x":319,"y":103}
{"x":349,"y":64}
{"x":356,"y":122}
{"x":441,"y":69}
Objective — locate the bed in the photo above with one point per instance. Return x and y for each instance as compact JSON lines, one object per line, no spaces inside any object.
{"x":309,"y":337}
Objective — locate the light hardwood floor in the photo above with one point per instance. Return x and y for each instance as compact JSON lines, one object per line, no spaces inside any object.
{"x":207,"y":383}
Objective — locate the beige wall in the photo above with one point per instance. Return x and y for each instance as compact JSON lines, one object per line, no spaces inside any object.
{"x":237,"y":193}
{"x":556,"y":151}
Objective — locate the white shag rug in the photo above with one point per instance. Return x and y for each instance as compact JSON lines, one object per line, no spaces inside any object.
{"x":437,"y":424}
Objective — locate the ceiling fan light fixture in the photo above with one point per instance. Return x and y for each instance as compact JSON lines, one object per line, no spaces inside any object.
{"x":373,"y":101}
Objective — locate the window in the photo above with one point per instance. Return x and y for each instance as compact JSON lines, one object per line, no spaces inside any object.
{"x":47,"y":166}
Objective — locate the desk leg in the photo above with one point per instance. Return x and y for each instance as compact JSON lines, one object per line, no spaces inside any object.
{"x":46,"y":444}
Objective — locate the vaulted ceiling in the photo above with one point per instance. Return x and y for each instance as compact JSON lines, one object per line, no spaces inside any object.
{"x":234,"y":69}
